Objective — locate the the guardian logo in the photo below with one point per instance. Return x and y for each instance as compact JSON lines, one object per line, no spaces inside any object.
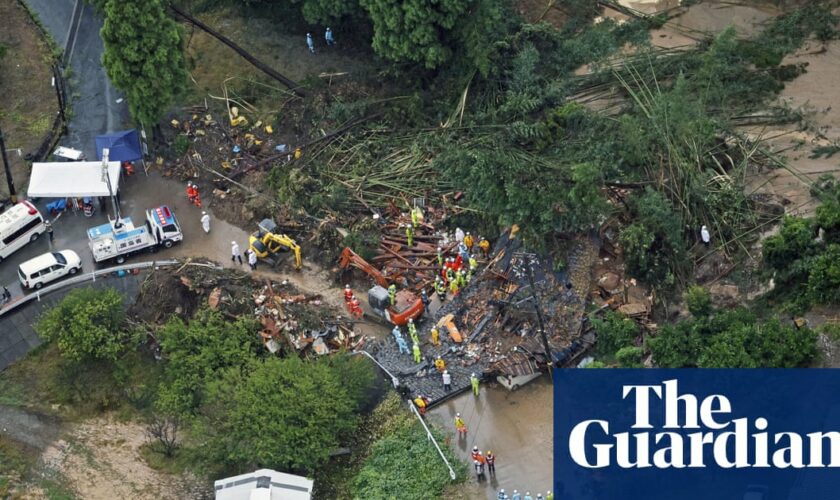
{"x":695,"y":433}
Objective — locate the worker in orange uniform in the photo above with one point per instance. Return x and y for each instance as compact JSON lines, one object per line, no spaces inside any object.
{"x":356,"y":308}
{"x":348,"y":294}
{"x":476,"y":455}
{"x":490,"y":458}
{"x":192,"y":192}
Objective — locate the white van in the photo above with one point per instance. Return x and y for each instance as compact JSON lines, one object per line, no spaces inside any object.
{"x":37,"y":272}
{"x":19,"y":225}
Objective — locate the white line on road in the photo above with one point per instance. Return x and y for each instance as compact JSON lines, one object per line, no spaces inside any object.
{"x":70,"y":27}
{"x":75,"y":35}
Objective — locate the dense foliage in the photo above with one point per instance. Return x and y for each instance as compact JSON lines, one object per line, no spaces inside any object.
{"x":403,"y":465}
{"x":143,"y":56}
{"x":614,"y":332}
{"x":280,"y":413}
{"x":86,"y":325}
{"x":732,"y":339}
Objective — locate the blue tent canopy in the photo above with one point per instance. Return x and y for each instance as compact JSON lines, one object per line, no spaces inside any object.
{"x":122,"y":146}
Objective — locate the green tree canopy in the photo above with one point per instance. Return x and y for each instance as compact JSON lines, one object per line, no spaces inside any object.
{"x":280,"y":413}
{"x":197,"y":351}
{"x":415,"y":30}
{"x":86,"y":324}
{"x":143,"y":56}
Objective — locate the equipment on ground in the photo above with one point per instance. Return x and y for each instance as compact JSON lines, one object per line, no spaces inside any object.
{"x":119,"y":239}
{"x":267,"y":241}
{"x":406,"y":306}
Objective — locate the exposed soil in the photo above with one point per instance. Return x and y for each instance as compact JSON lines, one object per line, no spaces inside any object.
{"x":28,"y":103}
{"x":100,"y":459}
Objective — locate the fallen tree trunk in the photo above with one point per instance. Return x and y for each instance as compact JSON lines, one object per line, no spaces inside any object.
{"x":293,"y":86}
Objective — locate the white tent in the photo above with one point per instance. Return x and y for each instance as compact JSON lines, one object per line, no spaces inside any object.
{"x":74,"y":179}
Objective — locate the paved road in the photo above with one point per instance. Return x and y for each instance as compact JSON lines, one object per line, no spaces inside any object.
{"x":75,"y":27}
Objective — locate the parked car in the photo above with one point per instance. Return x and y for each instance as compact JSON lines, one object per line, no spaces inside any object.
{"x":46,"y":268}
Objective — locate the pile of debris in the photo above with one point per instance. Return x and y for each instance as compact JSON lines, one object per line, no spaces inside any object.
{"x":284,"y":326}
{"x":290,"y":321}
{"x":492,"y":326}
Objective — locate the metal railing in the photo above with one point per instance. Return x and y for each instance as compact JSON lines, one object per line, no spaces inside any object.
{"x":396,"y":382}
{"x":81,"y":278}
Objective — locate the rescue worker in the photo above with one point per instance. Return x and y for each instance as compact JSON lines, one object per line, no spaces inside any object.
{"x":501,"y":495}
{"x":7,"y":295}
{"x":450,"y":274}
{"x":191,"y":192}
{"x":516,"y":495}
{"x":205,"y":221}
{"x":491,"y":462}
{"x":484,"y":246}
{"x":392,"y":294}
{"x":440,"y":256}
{"x":310,"y":43}
{"x":459,"y":235}
{"x":539,"y":496}
{"x":473,"y":263}
{"x":424,"y":298}
{"x":435,"y":336}
{"x":463,"y":252}
{"x":549,"y":495}
{"x":348,"y":294}
{"x":421,"y":402}
{"x":328,"y":36}
{"x":403,"y":346}
{"x":440,"y":364}
{"x":462,"y":279}
{"x":527,"y":496}
{"x":476,"y":454}
{"x":356,"y":308}
{"x":412,"y":331}
{"x":705,"y":236}
{"x":460,"y":426}
{"x":447,"y":385}
{"x":409,"y":235}
{"x":440,"y":289}
{"x":474,"y":382}
{"x":415,"y":218}
{"x":395,"y":332}
{"x":235,"y":253}
{"x":415,"y":348}
{"x":453,"y":287}
{"x":252,"y":259}
{"x":469,"y":241}
{"x":48,"y":225}
{"x":479,"y":470}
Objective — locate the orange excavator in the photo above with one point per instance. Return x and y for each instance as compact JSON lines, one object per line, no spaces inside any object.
{"x":407,"y":305}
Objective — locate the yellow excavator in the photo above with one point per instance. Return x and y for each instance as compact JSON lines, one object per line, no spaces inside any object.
{"x":267,"y":241}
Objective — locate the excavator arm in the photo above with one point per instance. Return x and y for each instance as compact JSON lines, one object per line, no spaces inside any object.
{"x":351,"y":258}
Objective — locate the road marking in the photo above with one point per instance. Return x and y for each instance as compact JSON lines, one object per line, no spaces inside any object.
{"x":70,"y":26}
{"x":75,"y":35}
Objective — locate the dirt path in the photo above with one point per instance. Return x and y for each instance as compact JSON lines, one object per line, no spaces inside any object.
{"x":100,"y":459}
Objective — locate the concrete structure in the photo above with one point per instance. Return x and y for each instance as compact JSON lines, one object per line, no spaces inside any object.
{"x":264,"y":484}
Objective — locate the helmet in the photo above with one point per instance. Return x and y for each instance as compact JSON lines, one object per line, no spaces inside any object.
{"x":410,"y":320}
{"x":203,"y":212}
{"x":472,"y":374}
{"x":347,"y":287}
{"x":489,"y":452}
{"x":475,"y":448}
{"x":446,"y":372}
{"x":233,"y":243}
{"x":309,"y":34}
{"x":457,"y":414}
{"x":468,"y":232}
{"x":440,"y":249}
{"x":502,"y":490}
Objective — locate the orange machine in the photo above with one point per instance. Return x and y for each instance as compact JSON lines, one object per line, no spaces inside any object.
{"x":407,"y":304}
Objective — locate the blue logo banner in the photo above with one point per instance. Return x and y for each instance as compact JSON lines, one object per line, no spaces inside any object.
{"x":650,"y":434}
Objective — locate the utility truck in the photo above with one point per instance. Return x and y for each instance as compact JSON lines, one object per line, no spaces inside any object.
{"x":119,"y":238}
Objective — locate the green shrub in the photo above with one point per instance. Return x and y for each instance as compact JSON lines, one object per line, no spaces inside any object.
{"x":698,"y":300}
{"x":824,"y":276}
{"x":613,"y":332}
{"x":87,"y":325}
{"x":181,"y":144}
{"x":629,"y":357}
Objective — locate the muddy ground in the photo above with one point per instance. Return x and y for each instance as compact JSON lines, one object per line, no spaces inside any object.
{"x":28,"y":103}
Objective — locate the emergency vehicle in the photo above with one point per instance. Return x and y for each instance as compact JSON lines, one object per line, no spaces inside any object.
{"x":119,"y":239}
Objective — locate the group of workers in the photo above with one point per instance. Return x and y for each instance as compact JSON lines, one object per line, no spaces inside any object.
{"x":457,"y":272}
{"x":193,"y":195}
{"x":328,"y":38}
{"x":480,"y":462}
{"x":519,"y":496}
{"x":354,"y":306}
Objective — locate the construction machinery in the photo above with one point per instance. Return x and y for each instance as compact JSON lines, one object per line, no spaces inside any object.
{"x":267,"y":242}
{"x":406,"y":306}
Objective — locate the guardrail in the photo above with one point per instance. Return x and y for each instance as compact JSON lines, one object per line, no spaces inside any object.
{"x":81,"y":278}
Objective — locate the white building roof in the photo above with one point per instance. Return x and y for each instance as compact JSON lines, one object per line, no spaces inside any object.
{"x":264,"y":484}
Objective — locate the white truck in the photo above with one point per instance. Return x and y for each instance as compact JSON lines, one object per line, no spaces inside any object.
{"x":119,"y":239}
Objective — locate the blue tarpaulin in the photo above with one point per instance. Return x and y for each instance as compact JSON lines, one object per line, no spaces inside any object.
{"x":123,"y":146}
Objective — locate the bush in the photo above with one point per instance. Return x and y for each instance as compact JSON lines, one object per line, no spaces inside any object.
{"x":698,"y":300}
{"x":794,"y":241}
{"x":654,"y":248}
{"x":824,"y":277}
{"x":284,"y":414}
{"x":614,"y":332}
{"x":87,"y":325}
{"x":629,"y":357}
{"x":405,"y":465}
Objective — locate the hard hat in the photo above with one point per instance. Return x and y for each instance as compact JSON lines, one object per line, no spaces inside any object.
{"x":328,"y":28}
{"x":347,"y":287}
{"x":440,"y":249}
{"x":203,"y":212}
{"x":233,"y":243}
{"x":502,"y":490}
{"x":309,"y":34}
{"x":489,"y":452}
{"x":472,"y":374}
{"x":457,"y":414}
{"x":475,"y":448}
{"x":468,"y":232}
{"x":438,"y":357}
{"x":410,"y":320}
